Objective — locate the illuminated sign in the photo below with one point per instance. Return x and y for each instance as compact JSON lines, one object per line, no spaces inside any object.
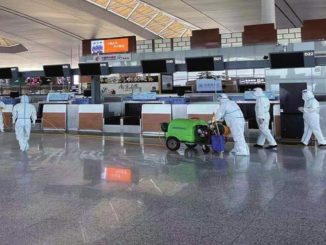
{"x":107,"y":46}
{"x":252,"y":81}
{"x":118,"y":174}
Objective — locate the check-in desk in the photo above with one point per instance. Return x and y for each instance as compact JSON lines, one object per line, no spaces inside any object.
{"x":323,"y":117}
{"x":91,"y":117}
{"x":72,"y":117}
{"x":7,"y":116}
{"x":202,"y":111}
{"x":152,"y":117}
{"x":277,"y":121}
{"x":54,"y":117}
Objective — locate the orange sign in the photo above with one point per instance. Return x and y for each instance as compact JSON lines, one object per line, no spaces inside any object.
{"x":118,"y":45}
{"x":118,"y":174}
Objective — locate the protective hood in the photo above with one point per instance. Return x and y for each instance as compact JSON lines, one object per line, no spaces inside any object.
{"x":306,"y":95}
{"x":258,"y":92}
{"x":222,"y":98}
{"x":24,"y":99}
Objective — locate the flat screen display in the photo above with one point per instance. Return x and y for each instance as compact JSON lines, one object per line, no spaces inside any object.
{"x":200,"y":64}
{"x":5,"y":73}
{"x":109,"y":46}
{"x":154,"y":66}
{"x":287,"y":60}
{"x":87,"y":93}
{"x":14,"y":94}
{"x":56,"y":70}
{"x":93,"y":69}
{"x":181,"y":90}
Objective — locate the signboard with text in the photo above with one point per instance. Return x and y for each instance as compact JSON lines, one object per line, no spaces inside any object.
{"x":109,"y":58}
{"x":109,"y":46}
{"x":208,"y":85}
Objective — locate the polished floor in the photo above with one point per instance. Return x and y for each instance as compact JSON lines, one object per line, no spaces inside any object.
{"x":73,"y":189}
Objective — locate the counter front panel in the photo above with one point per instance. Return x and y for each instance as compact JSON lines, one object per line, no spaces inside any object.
{"x":54,"y":117}
{"x":202,"y":111}
{"x":91,"y":117}
{"x":7,"y":116}
{"x":153,"y":115}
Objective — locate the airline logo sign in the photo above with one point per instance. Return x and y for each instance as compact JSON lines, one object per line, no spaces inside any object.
{"x":112,"y":57}
{"x":108,"y":46}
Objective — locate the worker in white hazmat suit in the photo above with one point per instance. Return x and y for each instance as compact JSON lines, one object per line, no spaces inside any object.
{"x":263,"y":118}
{"x":2,"y":108}
{"x":232,"y":114}
{"x":23,"y":115}
{"x":311,"y":119}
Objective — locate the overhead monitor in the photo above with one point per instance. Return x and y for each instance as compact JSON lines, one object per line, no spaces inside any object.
{"x":205,"y":64}
{"x":292,"y":60}
{"x":9,"y":73}
{"x":93,"y":69}
{"x":109,"y":46}
{"x":57,"y":70}
{"x":158,"y":66}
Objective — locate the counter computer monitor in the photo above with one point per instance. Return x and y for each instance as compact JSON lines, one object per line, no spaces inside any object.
{"x":9,"y":73}
{"x":93,"y":69}
{"x":181,"y":90}
{"x":205,"y":64}
{"x":87,"y":93}
{"x":14,"y":94}
{"x":57,"y":70}
{"x":158,"y":66}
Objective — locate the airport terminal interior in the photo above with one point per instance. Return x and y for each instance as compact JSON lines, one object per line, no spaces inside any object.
{"x":162,"y":122}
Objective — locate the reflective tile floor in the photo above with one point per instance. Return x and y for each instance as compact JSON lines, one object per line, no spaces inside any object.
{"x":73,"y":189}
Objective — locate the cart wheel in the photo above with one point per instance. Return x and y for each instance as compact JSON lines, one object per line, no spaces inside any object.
{"x":191,"y":146}
{"x":172,"y":143}
{"x":205,"y":149}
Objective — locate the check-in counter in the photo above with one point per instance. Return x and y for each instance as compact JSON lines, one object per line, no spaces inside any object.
{"x":91,"y":117}
{"x":277,"y":121}
{"x":179,"y":111}
{"x":152,"y":117}
{"x":202,"y":111}
{"x":7,"y":116}
{"x":54,"y":117}
{"x":72,"y":117}
{"x":323,"y":117}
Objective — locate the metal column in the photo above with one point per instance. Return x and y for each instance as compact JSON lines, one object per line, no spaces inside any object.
{"x":96,"y":90}
{"x":268,"y":11}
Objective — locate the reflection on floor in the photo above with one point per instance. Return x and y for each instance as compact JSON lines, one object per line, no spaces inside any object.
{"x":113,"y":190}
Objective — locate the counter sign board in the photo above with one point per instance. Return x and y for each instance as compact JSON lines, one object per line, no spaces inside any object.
{"x":208,"y":85}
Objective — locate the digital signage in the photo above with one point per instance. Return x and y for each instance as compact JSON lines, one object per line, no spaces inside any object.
{"x":109,"y":46}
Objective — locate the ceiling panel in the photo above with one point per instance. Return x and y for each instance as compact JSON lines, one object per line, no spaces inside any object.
{"x":292,"y":13}
{"x":228,"y":15}
{"x":52,"y":30}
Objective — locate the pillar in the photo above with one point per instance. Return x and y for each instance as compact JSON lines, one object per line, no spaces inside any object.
{"x":96,"y":90}
{"x":268,"y":11}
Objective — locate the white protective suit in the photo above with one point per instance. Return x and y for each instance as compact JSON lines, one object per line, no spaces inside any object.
{"x":2,"y":107}
{"x":311,"y":118}
{"x":22,"y":115}
{"x":232,"y":114}
{"x":263,"y":118}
